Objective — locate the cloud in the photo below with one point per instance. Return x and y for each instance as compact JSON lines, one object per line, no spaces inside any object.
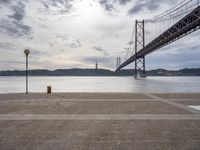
{"x":57,"y":6}
{"x":14,"y":28}
{"x":75,"y":44}
{"x":8,"y":47}
{"x":150,"y":5}
{"x":106,"y":5}
{"x":70,"y":41}
{"x":100,"y":49}
{"x":37,"y":52}
{"x":122,"y":2}
{"x":4,"y":1}
{"x":18,"y":12}
{"x":96,"y":58}
{"x":13,"y":25}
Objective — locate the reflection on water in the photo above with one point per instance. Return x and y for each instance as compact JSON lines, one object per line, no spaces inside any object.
{"x":101,"y":84}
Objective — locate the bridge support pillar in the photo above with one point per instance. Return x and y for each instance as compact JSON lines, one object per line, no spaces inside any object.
{"x":139,"y":44}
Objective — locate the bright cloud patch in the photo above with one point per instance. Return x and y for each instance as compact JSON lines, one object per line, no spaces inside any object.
{"x":79,"y":33}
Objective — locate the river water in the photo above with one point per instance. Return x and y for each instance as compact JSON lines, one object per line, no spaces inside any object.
{"x":101,"y":84}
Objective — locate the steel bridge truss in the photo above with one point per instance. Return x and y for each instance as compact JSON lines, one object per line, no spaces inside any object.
{"x":185,"y":26}
{"x":139,"y":44}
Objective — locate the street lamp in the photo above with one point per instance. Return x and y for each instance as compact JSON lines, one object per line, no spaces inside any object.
{"x":26,"y":52}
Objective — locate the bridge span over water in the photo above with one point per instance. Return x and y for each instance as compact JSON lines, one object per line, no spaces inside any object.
{"x":182,"y":19}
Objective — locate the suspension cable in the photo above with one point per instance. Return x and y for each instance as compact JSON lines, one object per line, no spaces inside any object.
{"x":130,"y":43}
{"x":173,"y":9}
{"x":173,"y":16}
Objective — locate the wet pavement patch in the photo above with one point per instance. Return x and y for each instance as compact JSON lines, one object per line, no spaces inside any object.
{"x":195,"y":107}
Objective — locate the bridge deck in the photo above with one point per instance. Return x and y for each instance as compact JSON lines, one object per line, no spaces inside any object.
{"x":185,"y":26}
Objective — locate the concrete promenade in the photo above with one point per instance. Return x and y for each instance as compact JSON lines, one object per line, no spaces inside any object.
{"x":99,"y":121}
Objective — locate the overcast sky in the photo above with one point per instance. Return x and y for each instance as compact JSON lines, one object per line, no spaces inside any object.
{"x":77,"y":33}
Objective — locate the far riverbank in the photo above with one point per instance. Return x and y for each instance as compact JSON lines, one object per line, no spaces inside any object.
{"x":102,"y":72}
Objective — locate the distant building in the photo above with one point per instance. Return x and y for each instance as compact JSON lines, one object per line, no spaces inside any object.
{"x":96,"y":66}
{"x":118,"y":62}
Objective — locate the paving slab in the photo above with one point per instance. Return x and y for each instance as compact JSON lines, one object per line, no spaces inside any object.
{"x":120,"y":135}
{"x":74,"y":96}
{"x":99,"y":121}
{"x":89,"y":107}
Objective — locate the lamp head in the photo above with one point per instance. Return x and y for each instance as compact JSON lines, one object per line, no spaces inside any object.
{"x":26,"y":51}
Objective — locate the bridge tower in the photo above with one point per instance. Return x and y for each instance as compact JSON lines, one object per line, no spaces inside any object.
{"x":139,"y":44}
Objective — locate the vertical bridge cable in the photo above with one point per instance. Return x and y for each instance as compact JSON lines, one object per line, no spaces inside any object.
{"x":167,"y":13}
{"x":168,"y":18}
{"x":179,"y":10}
{"x":130,"y":43}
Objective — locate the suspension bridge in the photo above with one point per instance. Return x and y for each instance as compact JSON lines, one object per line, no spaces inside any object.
{"x":159,"y":31}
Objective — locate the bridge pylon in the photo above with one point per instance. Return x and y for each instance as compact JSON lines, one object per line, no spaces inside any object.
{"x":139,"y":44}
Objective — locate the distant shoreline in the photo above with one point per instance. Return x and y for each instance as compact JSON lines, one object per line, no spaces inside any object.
{"x":98,"y":76}
{"x":102,"y":72}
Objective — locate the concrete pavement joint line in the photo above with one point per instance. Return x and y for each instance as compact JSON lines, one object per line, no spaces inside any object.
{"x":99,"y":117}
{"x":135,"y":141}
{"x":181,"y":106}
{"x":152,"y":96}
{"x":182,"y":100}
{"x":81,"y":100}
{"x":96,"y":100}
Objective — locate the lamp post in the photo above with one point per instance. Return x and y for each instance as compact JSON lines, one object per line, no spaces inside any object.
{"x":26,"y":52}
